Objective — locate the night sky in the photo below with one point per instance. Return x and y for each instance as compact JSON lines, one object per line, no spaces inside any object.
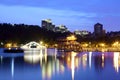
{"x":75,"y":14}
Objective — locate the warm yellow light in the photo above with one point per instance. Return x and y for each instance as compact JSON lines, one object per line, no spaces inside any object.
{"x":15,"y":45}
{"x":85,"y":45}
{"x":102,"y":44}
{"x":41,"y":42}
{"x":73,"y":53}
{"x":115,"y":43}
{"x":46,"y":45}
{"x":8,"y":45}
{"x":56,"y":45}
{"x":72,"y":37}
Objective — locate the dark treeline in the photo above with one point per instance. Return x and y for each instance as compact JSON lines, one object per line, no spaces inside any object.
{"x":21,"y":33}
{"x":109,"y":38}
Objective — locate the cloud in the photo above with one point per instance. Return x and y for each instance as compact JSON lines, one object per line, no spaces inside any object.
{"x":34,"y":15}
{"x":100,"y":6}
{"x":73,"y":13}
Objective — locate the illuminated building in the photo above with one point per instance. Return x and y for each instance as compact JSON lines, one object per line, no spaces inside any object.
{"x":69,"y":43}
{"x":81,"y":33}
{"x":47,"y":24}
{"x":61,"y":28}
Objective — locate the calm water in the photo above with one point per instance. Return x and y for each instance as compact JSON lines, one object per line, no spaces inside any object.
{"x":50,"y":65}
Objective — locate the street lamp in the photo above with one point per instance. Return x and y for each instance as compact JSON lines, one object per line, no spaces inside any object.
{"x":41,"y":42}
{"x":102,"y":44}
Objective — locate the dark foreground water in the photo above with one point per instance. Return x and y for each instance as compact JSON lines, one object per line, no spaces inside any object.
{"x":51,"y":65}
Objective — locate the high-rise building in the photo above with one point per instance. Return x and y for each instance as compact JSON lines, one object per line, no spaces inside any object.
{"x":61,"y":28}
{"x":98,"y":29}
{"x":47,"y":24}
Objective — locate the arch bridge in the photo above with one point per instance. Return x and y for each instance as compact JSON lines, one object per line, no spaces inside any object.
{"x":33,"y":45}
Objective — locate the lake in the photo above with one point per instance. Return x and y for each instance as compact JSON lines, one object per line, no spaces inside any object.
{"x":53,"y":65}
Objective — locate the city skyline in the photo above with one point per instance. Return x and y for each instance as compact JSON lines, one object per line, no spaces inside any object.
{"x":78,"y":14}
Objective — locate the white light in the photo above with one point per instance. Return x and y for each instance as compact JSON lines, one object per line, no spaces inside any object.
{"x":12,"y":67}
{"x":116,"y":57}
{"x":1,"y":58}
{"x":73,"y":67}
{"x":2,"y":43}
{"x":90,"y":59}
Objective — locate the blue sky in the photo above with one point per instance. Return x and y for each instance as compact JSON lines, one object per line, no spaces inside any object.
{"x":75,"y":14}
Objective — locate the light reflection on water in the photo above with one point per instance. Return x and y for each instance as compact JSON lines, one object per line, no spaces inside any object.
{"x":116,"y":61}
{"x":12,"y":67}
{"x":50,"y":65}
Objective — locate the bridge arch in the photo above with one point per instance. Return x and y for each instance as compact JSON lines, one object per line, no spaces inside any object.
{"x":33,"y":45}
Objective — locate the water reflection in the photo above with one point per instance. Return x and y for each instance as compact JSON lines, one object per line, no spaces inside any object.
{"x":84,"y":60}
{"x":1,"y":59}
{"x":103,"y":59}
{"x":47,"y":60}
{"x":51,"y":68}
{"x":90,"y":59}
{"x":99,"y":62}
{"x":12,"y":67}
{"x":32,"y":57}
{"x":50,"y":65}
{"x":71,"y":60}
{"x":73,"y":54}
{"x":116,"y":60}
